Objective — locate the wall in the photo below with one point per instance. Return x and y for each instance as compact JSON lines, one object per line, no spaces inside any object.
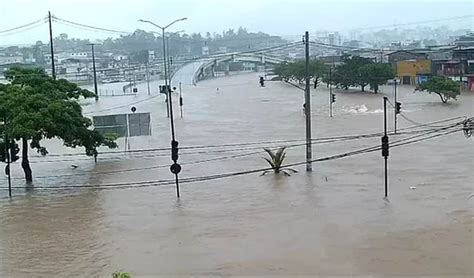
{"x":412,"y":68}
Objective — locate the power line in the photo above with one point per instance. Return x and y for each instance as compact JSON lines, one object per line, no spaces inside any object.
{"x":22,"y":26}
{"x":414,"y":23}
{"x":398,"y":143}
{"x":255,"y":143}
{"x":121,"y":106}
{"x":370,"y":149}
{"x":89,"y":26}
{"x":31,"y":27}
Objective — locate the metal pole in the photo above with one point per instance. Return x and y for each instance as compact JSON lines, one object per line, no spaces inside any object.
{"x":7,"y":156}
{"x":395,"y":93}
{"x":95,"y":74}
{"x":166,"y":74}
{"x":308,"y":107}
{"x":385,"y":99}
{"x":180,"y":100}
{"x":170,"y":104}
{"x":168,"y":60}
{"x":53,"y":68}
{"x":147,"y":78}
{"x":330,"y":92}
{"x":9,"y":172}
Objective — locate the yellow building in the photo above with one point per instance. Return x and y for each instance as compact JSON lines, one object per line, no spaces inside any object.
{"x":410,"y":71}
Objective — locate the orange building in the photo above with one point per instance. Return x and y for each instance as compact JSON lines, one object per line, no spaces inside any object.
{"x":412,"y":72}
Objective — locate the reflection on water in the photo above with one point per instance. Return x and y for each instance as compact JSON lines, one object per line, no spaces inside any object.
{"x":330,"y":222}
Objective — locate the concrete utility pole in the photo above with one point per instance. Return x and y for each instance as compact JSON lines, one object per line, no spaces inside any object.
{"x":96,"y":91}
{"x":53,"y":68}
{"x":307,"y":97}
{"x":330,"y":92}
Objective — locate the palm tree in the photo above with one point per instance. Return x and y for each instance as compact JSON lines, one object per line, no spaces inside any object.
{"x":276,"y":161}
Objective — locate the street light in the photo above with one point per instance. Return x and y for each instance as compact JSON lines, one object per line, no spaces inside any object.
{"x":175,"y":168}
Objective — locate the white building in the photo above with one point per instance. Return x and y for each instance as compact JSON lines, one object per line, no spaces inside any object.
{"x":5,"y":60}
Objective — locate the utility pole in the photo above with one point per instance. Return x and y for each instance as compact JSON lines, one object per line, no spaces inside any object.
{"x":330,"y":92}
{"x":385,"y":146}
{"x":308,"y":106}
{"x":147,"y":78}
{"x":7,"y":157}
{"x":53,"y":68}
{"x":95,"y":73}
{"x":180,"y":100}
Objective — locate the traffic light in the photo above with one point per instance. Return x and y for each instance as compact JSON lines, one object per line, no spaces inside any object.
{"x":398,"y":107}
{"x":174,"y":150}
{"x":333,"y":98}
{"x":3,"y":154}
{"x":14,"y":150}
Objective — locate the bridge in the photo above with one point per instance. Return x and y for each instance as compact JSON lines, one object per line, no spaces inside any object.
{"x":199,"y":69}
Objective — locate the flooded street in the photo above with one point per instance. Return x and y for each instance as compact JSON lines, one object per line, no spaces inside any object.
{"x":333,"y":221}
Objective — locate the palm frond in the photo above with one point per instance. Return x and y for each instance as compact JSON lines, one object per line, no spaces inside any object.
{"x":280,"y":152}
{"x":272,"y":164}
{"x":270,"y":153}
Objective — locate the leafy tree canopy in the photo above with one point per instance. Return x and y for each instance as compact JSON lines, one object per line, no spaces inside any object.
{"x":36,"y":107}
{"x":445,"y":88}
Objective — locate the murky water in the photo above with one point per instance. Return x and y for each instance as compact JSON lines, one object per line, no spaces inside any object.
{"x":333,"y":221}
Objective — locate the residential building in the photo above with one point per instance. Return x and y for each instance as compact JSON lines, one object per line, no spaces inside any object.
{"x":5,"y":60}
{"x":412,"y":72}
{"x":402,"y":55}
{"x":466,"y":58}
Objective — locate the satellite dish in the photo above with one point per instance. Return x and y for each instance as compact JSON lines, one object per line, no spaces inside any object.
{"x":133,"y":109}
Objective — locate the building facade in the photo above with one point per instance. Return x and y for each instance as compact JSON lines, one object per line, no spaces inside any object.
{"x":413,"y":72}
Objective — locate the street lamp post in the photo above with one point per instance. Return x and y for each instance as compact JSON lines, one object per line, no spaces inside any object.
{"x":175,"y":168}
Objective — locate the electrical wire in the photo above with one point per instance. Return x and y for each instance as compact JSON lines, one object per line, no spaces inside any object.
{"x":22,"y":26}
{"x":90,"y":26}
{"x":331,"y":139}
{"x":121,"y":106}
{"x":252,"y":153}
{"x":22,"y":30}
{"x":240,"y":173}
{"x":414,"y":23}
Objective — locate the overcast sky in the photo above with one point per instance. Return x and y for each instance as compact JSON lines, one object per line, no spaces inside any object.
{"x":281,"y":17}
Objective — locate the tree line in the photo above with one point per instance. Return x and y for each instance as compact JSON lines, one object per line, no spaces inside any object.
{"x":139,"y":41}
{"x":354,"y":71}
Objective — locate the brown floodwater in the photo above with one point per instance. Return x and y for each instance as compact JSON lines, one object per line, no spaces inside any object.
{"x":333,"y":221}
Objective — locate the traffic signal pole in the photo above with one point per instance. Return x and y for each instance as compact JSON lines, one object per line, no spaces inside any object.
{"x":385,"y":146}
{"x":7,"y":158}
{"x":396,"y":112}
{"x":309,"y":167}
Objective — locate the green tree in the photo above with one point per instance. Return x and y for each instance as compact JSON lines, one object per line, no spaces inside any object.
{"x":343,"y":76}
{"x":376,"y":74}
{"x":317,"y":70}
{"x":36,"y":107}
{"x":348,"y":74}
{"x":445,"y":88}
